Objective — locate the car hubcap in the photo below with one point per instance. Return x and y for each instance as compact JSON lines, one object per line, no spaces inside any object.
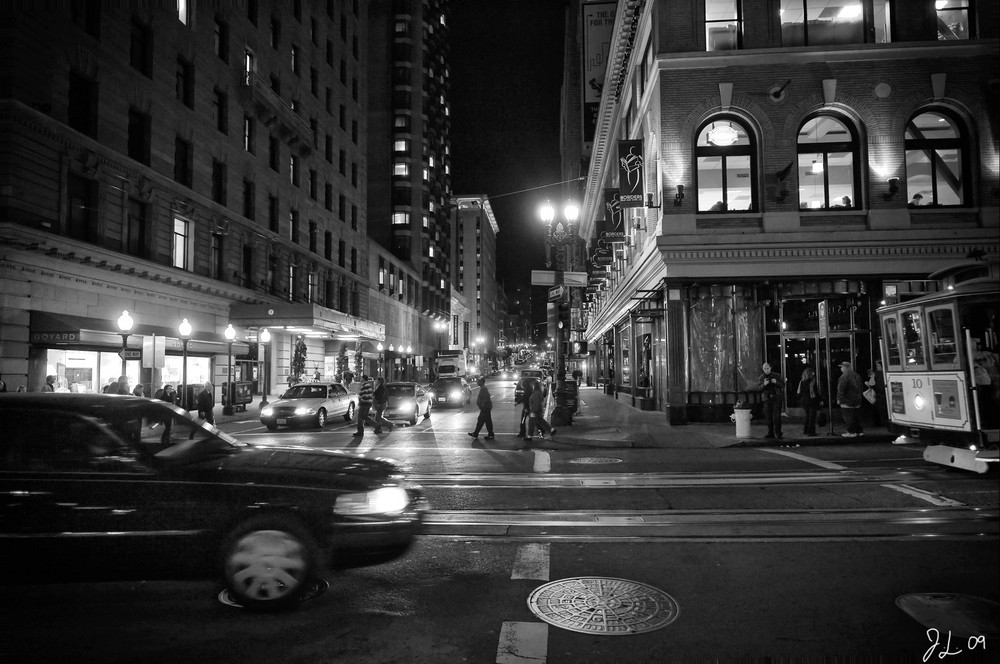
{"x":267,"y":564}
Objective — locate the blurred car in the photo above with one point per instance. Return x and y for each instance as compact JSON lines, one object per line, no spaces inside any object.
{"x":407,"y":401}
{"x":310,"y":404}
{"x":451,"y":392}
{"x":120,"y":486}
{"x":536,"y":375}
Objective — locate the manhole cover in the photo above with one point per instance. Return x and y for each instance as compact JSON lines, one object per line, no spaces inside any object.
{"x":960,"y":615}
{"x":318,"y":588}
{"x":603,"y":605}
{"x":595,"y":460}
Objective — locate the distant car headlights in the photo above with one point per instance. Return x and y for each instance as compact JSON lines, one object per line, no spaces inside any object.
{"x":304,"y":410}
{"x":391,"y":500}
{"x":267,"y":412}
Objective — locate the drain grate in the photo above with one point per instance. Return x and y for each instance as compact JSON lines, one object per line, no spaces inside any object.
{"x":603,"y":605}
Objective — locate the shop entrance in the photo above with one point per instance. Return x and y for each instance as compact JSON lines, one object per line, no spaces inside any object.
{"x":800,"y":350}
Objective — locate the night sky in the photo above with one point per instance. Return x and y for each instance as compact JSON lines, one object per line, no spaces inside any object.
{"x":506,"y":65}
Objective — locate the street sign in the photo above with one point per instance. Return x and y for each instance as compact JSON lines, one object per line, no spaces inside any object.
{"x":130,"y":354}
{"x":543,"y":278}
{"x":556,"y":293}
{"x":824,"y":326}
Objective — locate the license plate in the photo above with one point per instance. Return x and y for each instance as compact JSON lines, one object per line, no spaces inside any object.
{"x":442,"y":399}
{"x":282,"y":421}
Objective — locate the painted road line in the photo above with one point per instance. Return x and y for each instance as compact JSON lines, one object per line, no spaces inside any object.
{"x":531,"y":562}
{"x":543,"y":462}
{"x":932,"y":498}
{"x":807,"y":459}
{"x":523,"y":643}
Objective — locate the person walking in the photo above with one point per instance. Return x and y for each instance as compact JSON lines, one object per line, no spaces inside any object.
{"x":485,"y":402}
{"x":169,"y":394}
{"x":536,"y":418}
{"x":380,"y":401}
{"x":366,"y":397}
{"x":849,"y":397}
{"x":525,"y":409}
{"x":809,"y":399}
{"x":50,"y":384}
{"x":876,"y":381}
{"x":206,"y":403}
{"x":772,"y":387}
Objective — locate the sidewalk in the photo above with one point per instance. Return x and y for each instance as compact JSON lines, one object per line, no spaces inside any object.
{"x":603,"y":421}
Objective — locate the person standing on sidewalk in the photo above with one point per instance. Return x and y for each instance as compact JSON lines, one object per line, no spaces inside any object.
{"x":536,"y":416}
{"x":366,"y":396}
{"x":206,"y":403}
{"x":485,"y":402}
{"x":809,"y":400}
{"x":772,"y":387}
{"x":525,"y":409}
{"x":849,"y":396}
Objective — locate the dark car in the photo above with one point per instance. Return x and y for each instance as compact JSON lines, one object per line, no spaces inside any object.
{"x":535,"y":375}
{"x":407,"y":401}
{"x":451,"y":392}
{"x":98,"y":484}
{"x":310,"y":404}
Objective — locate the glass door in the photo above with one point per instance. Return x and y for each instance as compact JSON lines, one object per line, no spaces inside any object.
{"x":800,"y":351}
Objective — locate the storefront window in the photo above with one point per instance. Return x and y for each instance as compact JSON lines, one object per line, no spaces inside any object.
{"x":625,"y":364}
{"x":87,"y":371}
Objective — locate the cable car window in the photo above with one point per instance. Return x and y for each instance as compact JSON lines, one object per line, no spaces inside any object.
{"x":943,"y":341}
{"x":913,"y":339}
{"x":892,"y":343}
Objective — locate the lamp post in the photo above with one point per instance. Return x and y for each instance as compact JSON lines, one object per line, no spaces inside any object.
{"x":381,"y":359}
{"x":560,"y":238}
{"x":264,"y":338}
{"x":124,"y":329}
{"x":227,"y":409}
{"x":184,"y":329}
{"x":407,"y":369}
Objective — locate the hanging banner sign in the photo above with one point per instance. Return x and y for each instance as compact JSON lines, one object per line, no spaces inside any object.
{"x":631,"y":174}
{"x":603,"y":259}
{"x":613,"y":228}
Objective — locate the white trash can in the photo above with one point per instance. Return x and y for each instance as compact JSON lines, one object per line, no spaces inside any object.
{"x":742,"y":418}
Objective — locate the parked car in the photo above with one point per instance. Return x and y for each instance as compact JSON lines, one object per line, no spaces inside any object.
{"x":536,"y":375}
{"x":310,"y":404}
{"x":451,"y":392}
{"x":103,"y":486}
{"x":407,"y":401}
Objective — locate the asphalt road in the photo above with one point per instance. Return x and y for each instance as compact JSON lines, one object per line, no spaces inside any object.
{"x":728,"y":554}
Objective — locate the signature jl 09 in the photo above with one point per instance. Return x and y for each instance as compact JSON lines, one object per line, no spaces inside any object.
{"x":935,"y":637}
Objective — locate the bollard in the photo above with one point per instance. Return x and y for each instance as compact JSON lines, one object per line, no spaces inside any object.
{"x":742,"y":418}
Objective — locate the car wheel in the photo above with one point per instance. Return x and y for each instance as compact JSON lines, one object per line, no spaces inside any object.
{"x":321,"y":418}
{"x":268,"y":562}
{"x":349,"y":415}
{"x":413,"y":417}
{"x":271,"y":426}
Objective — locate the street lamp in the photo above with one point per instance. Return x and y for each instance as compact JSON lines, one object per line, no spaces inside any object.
{"x":381,"y":360}
{"x":227,"y":409}
{"x":185,"y":332}
{"x":264,"y":338}
{"x":124,"y":329}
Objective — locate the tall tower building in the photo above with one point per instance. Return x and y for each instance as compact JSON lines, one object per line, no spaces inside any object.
{"x":409,"y":153}
{"x":474,"y":265}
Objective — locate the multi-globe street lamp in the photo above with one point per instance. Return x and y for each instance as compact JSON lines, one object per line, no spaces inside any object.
{"x":227,"y":409}
{"x":124,"y":329}
{"x":184,"y":329}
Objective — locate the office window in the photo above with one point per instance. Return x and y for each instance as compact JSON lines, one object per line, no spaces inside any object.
{"x":342,"y":163}
{"x":218,"y":182}
{"x":313,"y":237}
{"x":141,"y":48}
{"x":86,"y":14}
{"x":249,"y":199}
{"x":274,"y":154}
{"x":249,"y":66}
{"x":354,"y":217}
{"x":220,"y":107}
{"x":354,"y":174}
{"x":342,"y":211}
{"x":222,"y":39}
{"x":342,"y":253}
{"x":272,"y":214}
{"x":311,"y":287}
{"x":183,"y":162}
{"x":184,"y":82}
{"x":401,"y":146}
{"x":723,"y":24}
{"x":249,"y":134}
{"x":314,"y":82}
{"x":328,"y":245}
{"x":181,"y":243}
{"x":328,"y":196}
{"x":136,"y":232}
{"x":275,"y":33}
{"x":400,"y":219}
{"x":82,"y":211}
{"x":82,"y":104}
{"x":218,"y":257}
{"x":296,"y":65}
{"x":139,"y":136}
{"x":726,"y":167}
{"x":328,"y":149}
{"x":937,"y":168}
{"x":246,"y":267}
{"x":313,"y":184}
{"x":953,"y":19}
{"x":183,"y":12}
{"x":271,"y":282}
{"x":400,"y":169}
{"x":820,"y":23}
{"x":828,"y":150}
{"x":293,"y":170}
{"x":252,"y":11}
{"x":293,"y":226}
{"x":354,"y":260}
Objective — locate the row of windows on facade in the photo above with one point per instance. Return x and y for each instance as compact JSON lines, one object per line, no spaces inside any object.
{"x":829,"y":163}
{"x":817,"y":23}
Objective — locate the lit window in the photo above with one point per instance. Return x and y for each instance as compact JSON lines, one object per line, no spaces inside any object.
{"x":400,"y":169}
{"x":828,"y":159}
{"x":400,"y":219}
{"x":182,"y":229}
{"x":936,"y":155}
{"x":726,"y":158}
{"x":952,"y":19}
{"x":183,"y":11}
{"x":723,"y":25}
{"x":401,"y":146}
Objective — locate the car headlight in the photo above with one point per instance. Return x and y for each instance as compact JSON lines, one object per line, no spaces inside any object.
{"x":267,"y":412}
{"x":456,"y":395}
{"x":430,"y":395}
{"x":303,"y":410}
{"x":407,"y":403}
{"x":386,"y":500}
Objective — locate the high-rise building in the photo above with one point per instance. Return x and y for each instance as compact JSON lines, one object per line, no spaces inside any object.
{"x":751,"y":160}
{"x":181,"y":162}
{"x":474,"y":284}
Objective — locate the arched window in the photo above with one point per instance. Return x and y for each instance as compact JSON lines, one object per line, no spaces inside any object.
{"x":726,"y":155}
{"x":828,"y":164}
{"x":936,"y":159}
